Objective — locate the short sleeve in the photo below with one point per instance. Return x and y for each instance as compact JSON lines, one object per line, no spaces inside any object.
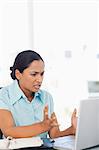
{"x":3,"y":105}
{"x":4,"y":100}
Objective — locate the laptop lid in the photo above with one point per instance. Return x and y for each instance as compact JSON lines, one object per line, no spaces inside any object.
{"x":87,"y":133}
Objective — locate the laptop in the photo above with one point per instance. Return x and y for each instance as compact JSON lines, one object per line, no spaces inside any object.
{"x":87,"y":132}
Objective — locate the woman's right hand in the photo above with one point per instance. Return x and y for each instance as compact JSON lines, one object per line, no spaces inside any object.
{"x":47,"y":122}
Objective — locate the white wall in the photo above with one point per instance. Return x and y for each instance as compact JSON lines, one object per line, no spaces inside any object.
{"x":16,"y":33}
{"x":65,"y":32}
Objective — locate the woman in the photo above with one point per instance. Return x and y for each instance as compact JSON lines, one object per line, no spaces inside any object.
{"x":25,"y":110}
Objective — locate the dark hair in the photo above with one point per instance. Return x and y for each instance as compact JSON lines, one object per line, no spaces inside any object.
{"x":23,"y":60}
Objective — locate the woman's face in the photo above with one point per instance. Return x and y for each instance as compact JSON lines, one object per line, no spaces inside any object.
{"x":31,"y":78}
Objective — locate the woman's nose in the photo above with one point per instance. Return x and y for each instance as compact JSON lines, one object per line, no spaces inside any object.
{"x":39,"y":78}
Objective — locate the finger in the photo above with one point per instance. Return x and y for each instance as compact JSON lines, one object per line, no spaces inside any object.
{"x":46,"y":112}
{"x":54,"y":120}
{"x":55,"y":125}
{"x":53,"y":116}
{"x":74,"y":112}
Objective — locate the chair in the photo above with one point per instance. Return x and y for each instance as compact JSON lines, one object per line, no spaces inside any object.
{"x":1,"y":134}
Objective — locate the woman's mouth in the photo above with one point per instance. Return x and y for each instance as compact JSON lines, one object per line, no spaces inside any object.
{"x":37,"y":86}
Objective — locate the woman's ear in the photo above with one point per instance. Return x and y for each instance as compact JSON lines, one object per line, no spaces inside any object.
{"x":18,"y":74}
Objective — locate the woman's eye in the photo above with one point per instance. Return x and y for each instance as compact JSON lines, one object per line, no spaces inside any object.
{"x":33,"y":74}
{"x":42,"y":73}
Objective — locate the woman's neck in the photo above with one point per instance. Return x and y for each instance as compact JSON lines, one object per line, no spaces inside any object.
{"x":28,"y":94}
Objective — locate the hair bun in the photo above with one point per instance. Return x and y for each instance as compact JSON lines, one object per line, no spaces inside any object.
{"x":12,"y":73}
{"x":11,"y":68}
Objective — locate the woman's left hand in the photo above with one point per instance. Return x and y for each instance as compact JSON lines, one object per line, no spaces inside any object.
{"x":74,"y":120}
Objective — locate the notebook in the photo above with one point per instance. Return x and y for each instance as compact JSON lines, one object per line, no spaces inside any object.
{"x":87,"y":132}
{"x":11,"y":143}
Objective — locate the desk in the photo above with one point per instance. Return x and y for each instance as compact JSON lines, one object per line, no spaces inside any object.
{"x":36,"y":148}
{"x":41,"y":148}
{"x":94,"y":148}
{"x":48,"y":145}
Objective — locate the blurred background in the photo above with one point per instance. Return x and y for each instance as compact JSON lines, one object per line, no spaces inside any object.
{"x":66,"y":34}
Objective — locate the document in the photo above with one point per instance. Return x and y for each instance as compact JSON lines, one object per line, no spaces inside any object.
{"x":64,"y":143}
{"x":20,"y":143}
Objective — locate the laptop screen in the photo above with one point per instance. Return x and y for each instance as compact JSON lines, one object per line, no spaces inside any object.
{"x":87,"y":130}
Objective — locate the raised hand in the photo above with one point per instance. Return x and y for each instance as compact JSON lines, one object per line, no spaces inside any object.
{"x":74,"y":120}
{"x":46,"y":112}
{"x":47,"y":122}
{"x":54,"y":120}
